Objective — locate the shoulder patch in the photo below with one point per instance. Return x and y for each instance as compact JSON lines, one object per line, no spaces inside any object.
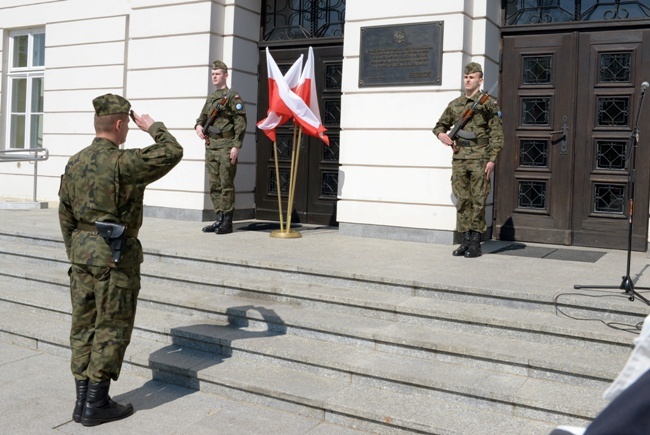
{"x":239,"y":106}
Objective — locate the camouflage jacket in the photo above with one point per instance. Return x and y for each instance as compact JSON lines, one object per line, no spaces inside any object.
{"x":486,"y":123}
{"x":231,"y":117}
{"x":105,"y":183}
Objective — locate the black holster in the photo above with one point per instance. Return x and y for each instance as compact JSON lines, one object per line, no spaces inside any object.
{"x":114,"y":235}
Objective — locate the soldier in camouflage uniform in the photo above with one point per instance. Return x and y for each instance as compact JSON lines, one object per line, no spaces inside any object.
{"x":474,"y":162}
{"x":103,"y":183}
{"x":225,"y":112}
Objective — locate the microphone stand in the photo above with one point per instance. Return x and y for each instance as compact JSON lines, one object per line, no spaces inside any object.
{"x":627,"y":284}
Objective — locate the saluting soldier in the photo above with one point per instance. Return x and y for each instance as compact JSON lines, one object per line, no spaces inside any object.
{"x":474,"y":161}
{"x":222,"y":125}
{"x":104,"y":185}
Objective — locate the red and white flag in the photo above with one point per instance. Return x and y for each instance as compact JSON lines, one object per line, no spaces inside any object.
{"x":278,"y":113}
{"x":306,"y":90}
{"x":292,"y":77}
{"x":284,"y":103}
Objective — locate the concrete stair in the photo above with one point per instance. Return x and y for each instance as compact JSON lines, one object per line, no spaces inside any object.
{"x":383,"y":357}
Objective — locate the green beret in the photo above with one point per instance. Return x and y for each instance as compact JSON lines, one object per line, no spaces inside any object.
{"x":472,"y":68}
{"x":111,"y":104}
{"x":218,"y":64}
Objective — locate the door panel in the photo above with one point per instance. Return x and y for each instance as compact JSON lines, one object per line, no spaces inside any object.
{"x":534,"y":179}
{"x":563,"y":175}
{"x":317,"y":176}
{"x":611,"y":70}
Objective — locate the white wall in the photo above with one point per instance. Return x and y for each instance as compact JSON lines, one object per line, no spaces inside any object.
{"x":157,"y":54}
{"x":394,"y":172}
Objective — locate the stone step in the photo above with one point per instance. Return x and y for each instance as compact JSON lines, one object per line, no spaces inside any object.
{"x":610,"y":309}
{"x":540,"y":324}
{"x":348,"y":393}
{"x":531,"y":325}
{"x":210,"y":271}
{"x":477,"y":347}
{"x":390,"y":370}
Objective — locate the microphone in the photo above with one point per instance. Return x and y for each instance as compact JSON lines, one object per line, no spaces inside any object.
{"x":644,"y":86}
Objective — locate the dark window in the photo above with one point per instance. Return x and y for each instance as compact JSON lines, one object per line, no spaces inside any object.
{"x":331,"y":153}
{"x":557,"y":11}
{"x":535,"y":111}
{"x":532,"y":194}
{"x":285,"y":20}
{"x":611,"y":154}
{"x":284,"y":182}
{"x":533,"y":152}
{"x":609,"y":198}
{"x":615,"y":67}
{"x":613,"y":111}
{"x":330,"y":184}
{"x":537,"y":70}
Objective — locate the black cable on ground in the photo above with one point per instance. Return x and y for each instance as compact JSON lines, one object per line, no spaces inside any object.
{"x":633,"y":329}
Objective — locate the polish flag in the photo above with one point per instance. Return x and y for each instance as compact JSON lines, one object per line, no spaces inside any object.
{"x":306,"y":90}
{"x":282,"y":98}
{"x":278,"y":113}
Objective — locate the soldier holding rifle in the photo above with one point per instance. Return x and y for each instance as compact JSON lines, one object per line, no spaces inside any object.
{"x":476,"y":139}
{"x":222,"y":125}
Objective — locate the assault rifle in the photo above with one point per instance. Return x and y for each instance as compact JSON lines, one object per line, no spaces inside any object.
{"x":463,"y":119}
{"x":208,"y":123}
{"x":213,"y":116}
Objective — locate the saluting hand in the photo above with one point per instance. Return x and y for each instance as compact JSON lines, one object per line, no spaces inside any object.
{"x":142,"y":121}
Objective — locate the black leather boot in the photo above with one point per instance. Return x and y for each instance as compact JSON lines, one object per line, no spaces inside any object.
{"x":100,"y":408}
{"x":474,"y":249}
{"x":460,"y":251}
{"x":82,"y":390}
{"x":213,"y":228}
{"x":226,"y":226}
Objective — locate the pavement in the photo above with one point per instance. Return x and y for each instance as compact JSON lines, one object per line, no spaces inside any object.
{"x":37,"y":390}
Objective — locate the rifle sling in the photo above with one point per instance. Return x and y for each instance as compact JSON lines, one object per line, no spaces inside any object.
{"x":472,"y":142}
{"x":222,"y":135}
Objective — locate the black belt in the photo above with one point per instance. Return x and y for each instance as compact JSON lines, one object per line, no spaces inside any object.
{"x":130,"y":232}
{"x":222,"y":135}
{"x":472,"y":142}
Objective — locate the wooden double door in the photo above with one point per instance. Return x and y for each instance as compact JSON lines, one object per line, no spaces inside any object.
{"x":316,"y":189}
{"x":570,"y":101}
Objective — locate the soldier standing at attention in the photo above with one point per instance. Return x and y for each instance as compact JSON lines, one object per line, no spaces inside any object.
{"x":222,"y":125}
{"x":474,"y":161}
{"x":100,"y":213}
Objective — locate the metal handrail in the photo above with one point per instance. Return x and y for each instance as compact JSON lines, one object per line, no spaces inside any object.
{"x":24,"y":156}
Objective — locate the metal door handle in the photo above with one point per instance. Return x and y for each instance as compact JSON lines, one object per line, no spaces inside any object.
{"x":564,"y":132}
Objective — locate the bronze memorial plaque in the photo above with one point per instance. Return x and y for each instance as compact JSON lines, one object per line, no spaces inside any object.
{"x":400,"y":55}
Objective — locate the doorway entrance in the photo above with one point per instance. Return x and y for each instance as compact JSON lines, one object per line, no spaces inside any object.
{"x":568,"y":115}
{"x":318,"y":164}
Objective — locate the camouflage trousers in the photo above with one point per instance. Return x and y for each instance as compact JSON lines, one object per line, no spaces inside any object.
{"x":221,"y":175}
{"x":471,"y":189}
{"x":104,"y":300}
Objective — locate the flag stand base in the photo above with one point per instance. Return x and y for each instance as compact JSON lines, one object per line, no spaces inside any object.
{"x":291,"y":234}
